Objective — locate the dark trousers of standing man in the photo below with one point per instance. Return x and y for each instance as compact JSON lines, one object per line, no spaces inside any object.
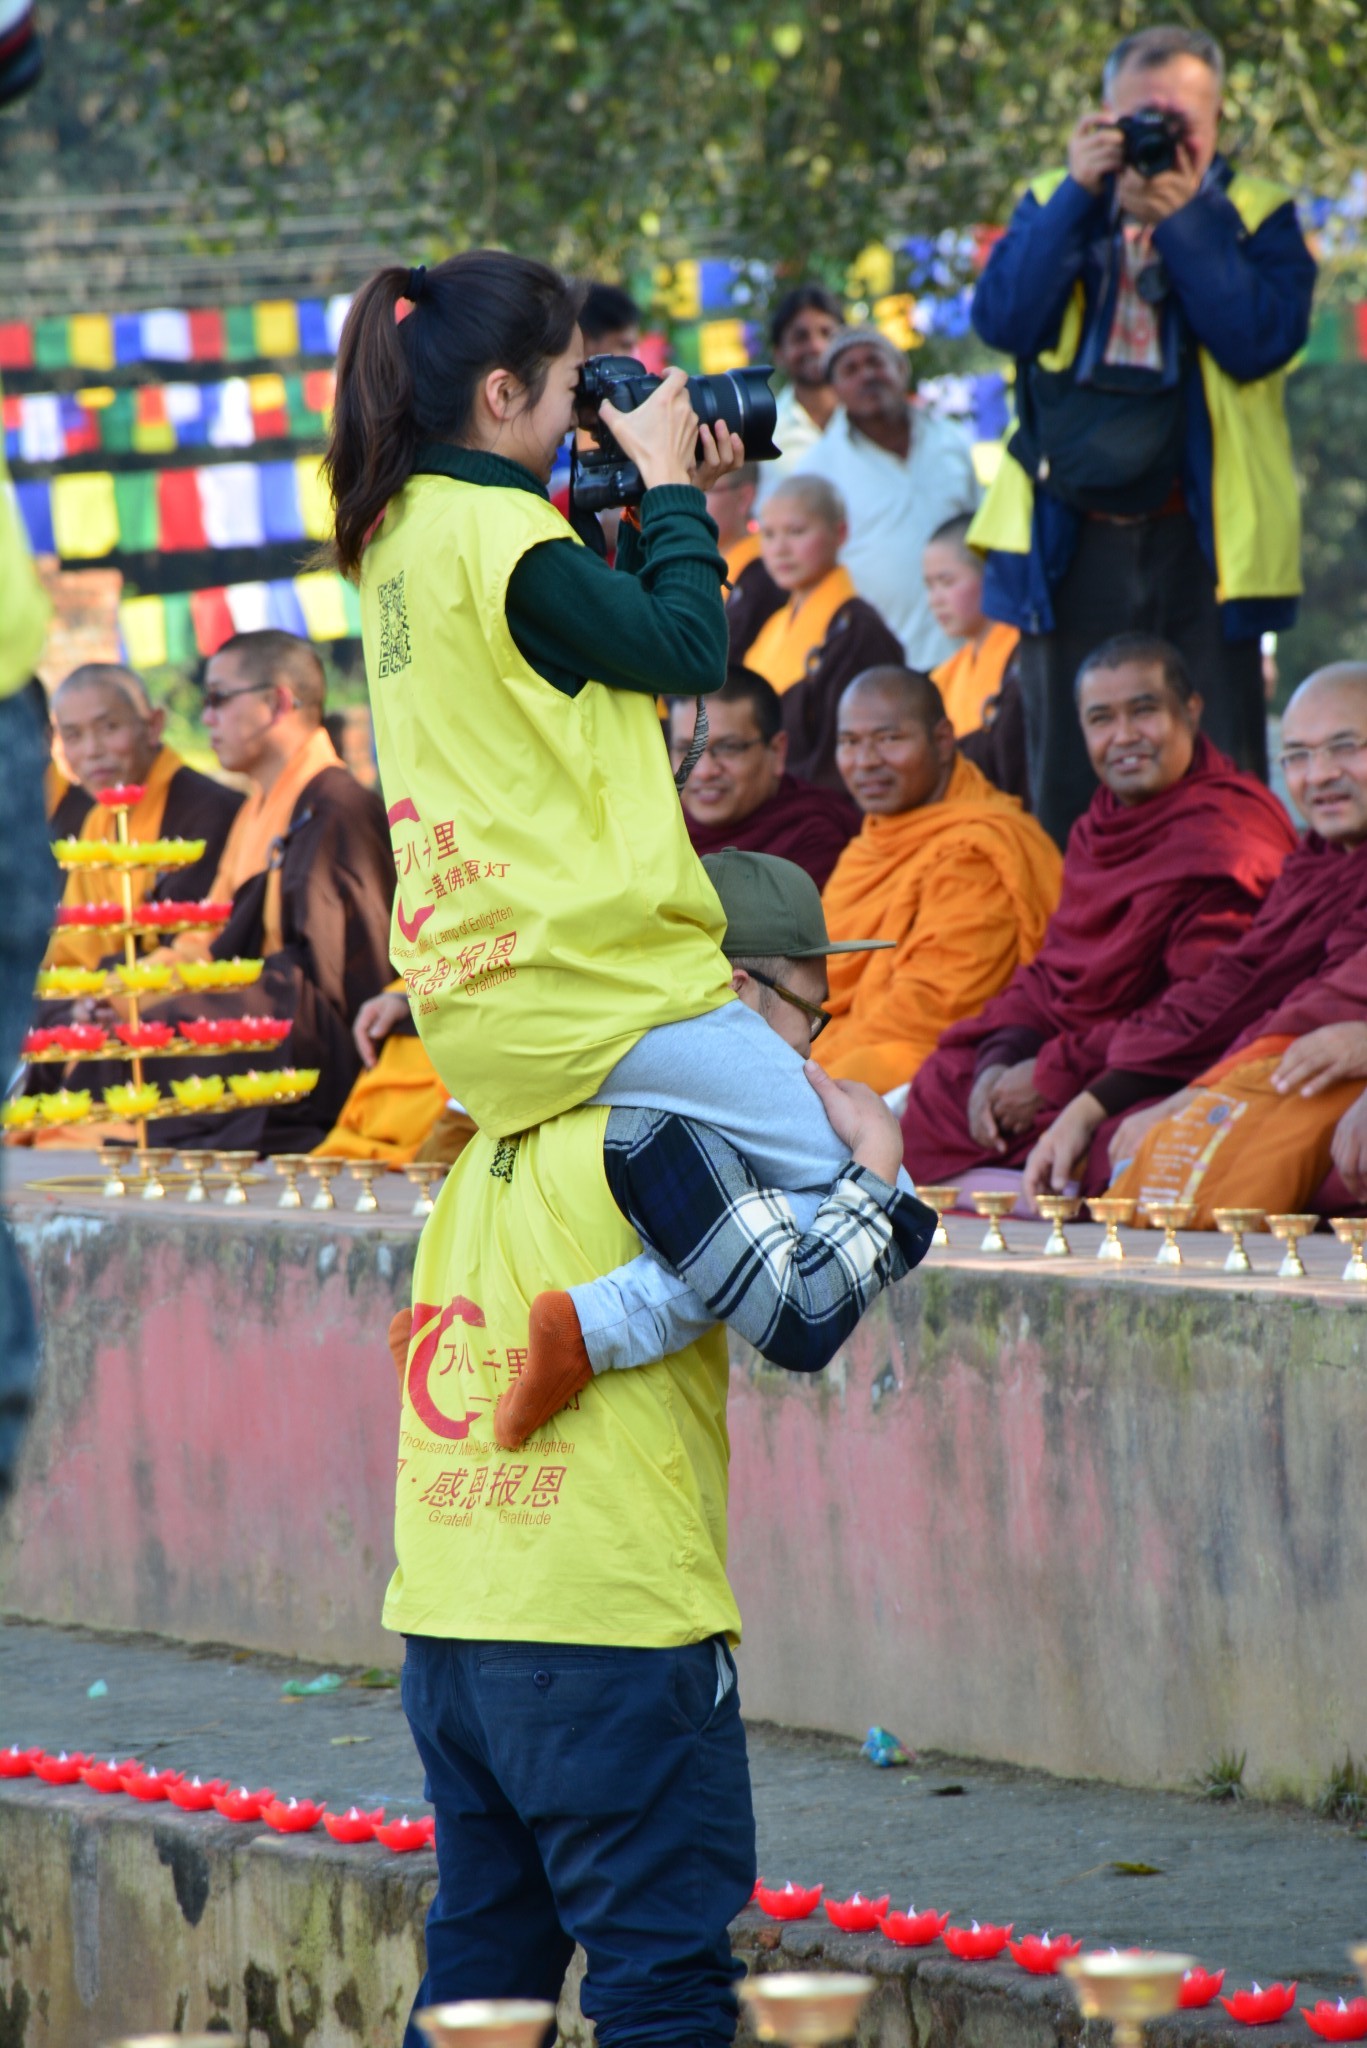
{"x":598,"y":1795}
{"x":1133,"y":576}
{"x":28,"y":891}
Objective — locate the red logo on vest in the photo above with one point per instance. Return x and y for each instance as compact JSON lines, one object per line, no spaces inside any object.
{"x":423,"y":1358}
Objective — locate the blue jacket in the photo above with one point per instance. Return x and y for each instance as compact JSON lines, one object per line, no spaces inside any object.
{"x":1245,"y":298}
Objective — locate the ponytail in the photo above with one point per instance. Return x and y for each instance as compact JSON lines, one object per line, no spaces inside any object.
{"x":401,"y":382}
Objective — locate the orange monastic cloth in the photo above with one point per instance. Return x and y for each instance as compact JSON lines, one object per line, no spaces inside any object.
{"x":780,"y":649}
{"x":392,"y":1107}
{"x":974,"y":673}
{"x":71,"y":947}
{"x":740,"y":555}
{"x":246,"y":851}
{"x":964,"y":888}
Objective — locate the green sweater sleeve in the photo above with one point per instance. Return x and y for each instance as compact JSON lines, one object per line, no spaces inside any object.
{"x":655,"y":623}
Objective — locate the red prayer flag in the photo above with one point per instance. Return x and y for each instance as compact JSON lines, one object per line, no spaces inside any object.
{"x":206,"y":335}
{"x":83,"y":436}
{"x":151,"y":405}
{"x":182,"y":521}
{"x":13,"y":411}
{"x":319,"y":386}
{"x":272,"y":425}
{"x":213,"y":622}
{"x":16,"y":345}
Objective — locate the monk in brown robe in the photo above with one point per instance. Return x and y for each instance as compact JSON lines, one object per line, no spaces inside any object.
{"x":111,"y":733}
{"x":1271,"y":1041}
{"x":826,"y":634}
{"x":740,"y":792}
{"x":1166,"y":867}
{"x":308,"y":869}
{"x":752,"y":596}
{"x":947,"y":867}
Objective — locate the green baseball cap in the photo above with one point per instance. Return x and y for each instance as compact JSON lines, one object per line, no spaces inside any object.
{"x":773,"y":909}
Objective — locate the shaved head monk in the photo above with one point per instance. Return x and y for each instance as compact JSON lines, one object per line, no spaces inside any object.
{"x":111,"y":732}
{"x":1166,"y":867}
{"x":948,"y":868}
{"x":1273,"y":1036}
{"x":740,"y":792}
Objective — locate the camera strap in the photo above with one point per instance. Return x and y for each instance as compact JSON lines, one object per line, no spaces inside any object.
{"x":696,"y":747}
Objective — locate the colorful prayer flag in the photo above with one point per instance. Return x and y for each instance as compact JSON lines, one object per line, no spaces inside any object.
{"x":277,"y":327}
{"x":85,"y":518}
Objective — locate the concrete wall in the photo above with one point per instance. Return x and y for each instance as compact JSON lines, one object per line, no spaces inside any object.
{"x":1097,"y":1523}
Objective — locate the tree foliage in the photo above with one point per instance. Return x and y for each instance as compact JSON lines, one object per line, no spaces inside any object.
{"x":605,"y":132}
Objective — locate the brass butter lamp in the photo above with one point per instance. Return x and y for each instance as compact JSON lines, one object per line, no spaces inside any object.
{"x":485,"y":2023}
{"x":1127,"y":1990}
{"x":806,"y":2008}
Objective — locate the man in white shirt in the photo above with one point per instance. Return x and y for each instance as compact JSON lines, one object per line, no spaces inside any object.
{"x":802,"y":327}
{"x":901,"y":474}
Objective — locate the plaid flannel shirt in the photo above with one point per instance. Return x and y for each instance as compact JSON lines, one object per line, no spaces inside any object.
{"x":694,"y":1202}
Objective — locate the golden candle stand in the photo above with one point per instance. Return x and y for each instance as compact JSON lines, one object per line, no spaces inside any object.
{"x":364,"y":1171}
{"x":1351,"y":1230}
{"x":941,"y":1200}
{"x":236,"y":1165}
{"x":177,"y":2041}
{"x":1127,"y":1990}
{"x":1236,"y":1223}
{"x":806,"y":2008}
{"x":193,"y":1163}
{"x":289,"y":1166}
{"x":994,"y":1206}
{"x":1358,"y":1956}
{"x":1169,"y":1217}
{"x":424,"y":1175}
{"x":1290,"y":1230}
{"x":325,"y":1172}
{"x":1115,"y":1212}
{"x":485,"y":2023}
{"x":1057,"y":1210}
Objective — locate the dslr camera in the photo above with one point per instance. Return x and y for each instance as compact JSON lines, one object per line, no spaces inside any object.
{"x":602,"y":477}
{"x":1152,"y":139}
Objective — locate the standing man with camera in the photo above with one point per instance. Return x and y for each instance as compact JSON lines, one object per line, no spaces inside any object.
{"x":1153,"y":296}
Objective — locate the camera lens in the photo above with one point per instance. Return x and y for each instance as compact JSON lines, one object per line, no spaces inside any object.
{"x":741,"y":400}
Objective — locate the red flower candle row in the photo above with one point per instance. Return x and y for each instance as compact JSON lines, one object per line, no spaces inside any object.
{"x":120,"y":794}
{"x":71,"y":1038}
{"x":145,"y":1037}
{"x":244,"y":1031}
{"x":147,"y":917}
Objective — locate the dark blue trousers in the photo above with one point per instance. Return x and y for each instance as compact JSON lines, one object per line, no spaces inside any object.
{"x":591,"y":1795}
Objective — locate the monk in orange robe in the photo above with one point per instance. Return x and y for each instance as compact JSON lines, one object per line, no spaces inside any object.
{"x":946,"y":866}
{"x":111,"y":733}
{"x":972,"y":678}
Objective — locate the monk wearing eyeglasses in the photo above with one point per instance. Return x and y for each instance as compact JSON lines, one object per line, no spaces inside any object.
{"x":947,"y":867}
{"x":1258,"y":1060}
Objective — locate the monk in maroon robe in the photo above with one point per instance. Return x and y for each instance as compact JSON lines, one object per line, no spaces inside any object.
{"x":1164,"y":871}
{"x":740,"y":793}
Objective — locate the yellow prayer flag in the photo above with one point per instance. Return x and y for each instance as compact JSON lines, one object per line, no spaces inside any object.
{"x":721,"y":346}
{"x":266,"y":393}
{"x":320,"y":600}
{"x":85,"y":518}
{"x":892,"y":316}
{"x":90,"y":341}
{"x":678,"y":288}
{"x":153,"y":437}
{"x":277,"y":327}
{"x":315,"y":499}
{"x":872,"y":273}
{"x":95,"y":397}
{"x":142,"y":622}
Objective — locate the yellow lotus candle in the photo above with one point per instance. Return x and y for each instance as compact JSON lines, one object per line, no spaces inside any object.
{"x":292,"y":1082}
{"x":199,"y":1091}
{"x":71,"y":981}
{"x":67,"y":1106}
{"x":220,"y":973}
{"x":20,"y":1113}
{"x":128,"y":1099}
{"x":145,"y":976}
{"x":170,"y":853}
{"x":85,"y":853}
{"x":253,"y":1087}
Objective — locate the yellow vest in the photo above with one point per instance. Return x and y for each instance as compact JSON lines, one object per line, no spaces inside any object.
{"x":1255,"y":505}
{"x":609,"y":1526}
{"x":550,"y":909}
{"x":24,"y":606}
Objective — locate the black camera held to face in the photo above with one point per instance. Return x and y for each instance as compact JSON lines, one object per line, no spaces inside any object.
{"x":1153,"y":140}
{"x":21,"y":51}
{"x":602,"y":477}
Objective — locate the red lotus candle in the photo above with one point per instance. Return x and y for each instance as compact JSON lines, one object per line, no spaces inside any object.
{"x":59,"y":1770}
{"x":1258,"y":2008}
{"x":38,"y":1041}
{"x":1199,"y":1988}
{"x":353,"y":1826}
{"x":857,"y":1915}
{"x":242,"y":1805}
{"x":150,"y":1785}
{"x":794,"y":1902}
{"x":193,"y":1795}
{"x":912,"y":1929}
{"x":294,"y":1816}
{"x":81,"y":914}
{"x":1041,"y":1954}
{"x":976,"y":1944}
{"x":404,"y":1835}
{"x":120,"y":795}
{"x":79,"y":1037}
{"x":145,"y":1037}
{"x":109,"y":1777}
{"x":1346,"y":2021}
{"x":18,"y":1763}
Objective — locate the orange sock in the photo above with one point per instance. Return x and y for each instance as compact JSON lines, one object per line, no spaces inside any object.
{"x":557,"y":1369}
{"x":400,"y":1330}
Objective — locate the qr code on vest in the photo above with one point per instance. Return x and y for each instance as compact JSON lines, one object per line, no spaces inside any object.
{"x":395,"y":652}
